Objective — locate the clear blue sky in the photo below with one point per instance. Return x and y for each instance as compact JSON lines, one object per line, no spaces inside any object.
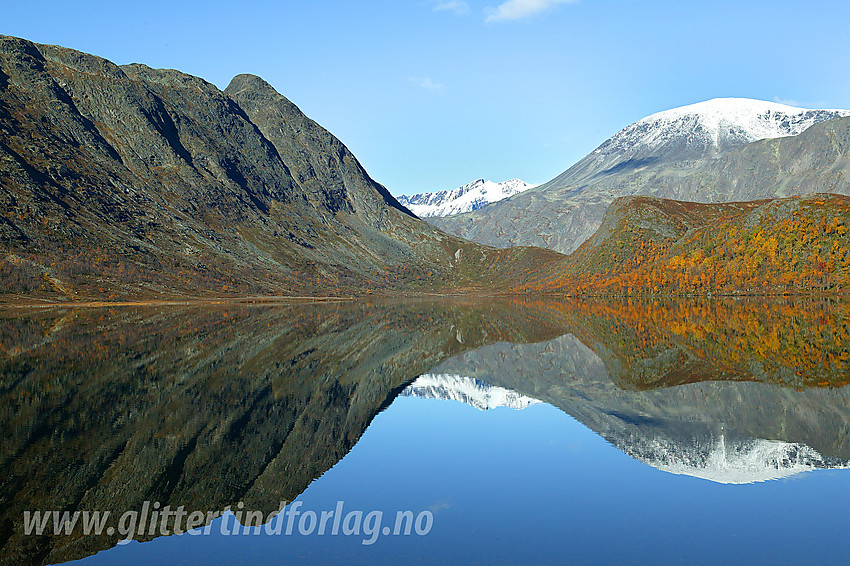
{"x":431,"y":94}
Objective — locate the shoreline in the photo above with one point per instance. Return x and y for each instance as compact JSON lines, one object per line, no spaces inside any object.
{"x":25,"y":303}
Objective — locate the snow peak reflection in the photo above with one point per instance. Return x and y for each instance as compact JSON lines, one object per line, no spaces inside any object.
{"x":154,"y":519}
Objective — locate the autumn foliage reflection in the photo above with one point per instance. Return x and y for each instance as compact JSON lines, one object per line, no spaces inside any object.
{"x":648,"y":343}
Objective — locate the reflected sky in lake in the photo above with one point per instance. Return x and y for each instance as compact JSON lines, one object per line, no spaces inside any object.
{"x":535,"y":486}
{"x":605,"y":439}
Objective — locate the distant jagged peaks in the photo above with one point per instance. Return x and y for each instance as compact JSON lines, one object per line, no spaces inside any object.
{"x":466,"y":198}
{"x":472,"y":392}
{"x":719,"y":124}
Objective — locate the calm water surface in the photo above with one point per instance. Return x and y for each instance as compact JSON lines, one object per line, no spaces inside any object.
{"x":530,"y":432}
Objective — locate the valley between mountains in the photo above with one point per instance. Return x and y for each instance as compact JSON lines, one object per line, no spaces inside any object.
{"x":127,"y":183}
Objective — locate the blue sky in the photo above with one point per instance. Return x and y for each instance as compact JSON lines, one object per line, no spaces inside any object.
{"x":431,"y":94}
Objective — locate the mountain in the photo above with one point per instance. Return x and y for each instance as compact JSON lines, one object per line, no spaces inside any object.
{"x":695,"y":132}
{"x":650,"y":245}
{"x":717,"y":151}
{"x":131,"y":182}
{"x":466,"y":198}
{"x":718,"y":456}
{"x":472,"y":392}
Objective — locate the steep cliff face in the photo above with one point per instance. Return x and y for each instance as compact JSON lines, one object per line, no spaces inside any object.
{"x":330,"y":175}
{"x":138,"y":182}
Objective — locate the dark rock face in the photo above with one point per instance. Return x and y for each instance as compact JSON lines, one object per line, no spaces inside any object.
{"x":138,"y":182}
{"x":320,"y":162}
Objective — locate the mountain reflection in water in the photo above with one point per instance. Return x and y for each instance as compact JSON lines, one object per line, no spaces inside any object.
{"x":208,"y":406}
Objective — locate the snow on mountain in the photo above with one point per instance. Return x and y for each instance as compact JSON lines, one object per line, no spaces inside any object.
{"x":467,"y":198}
{"x":467,"y":390}
{"x":731,"y":461}
{"x":719,"y":124}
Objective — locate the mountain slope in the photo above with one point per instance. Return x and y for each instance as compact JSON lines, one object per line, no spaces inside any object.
{"x":691,"y":133}
{"x":132,"y":182}
{"x":466,"y":198}
{"x":661,"y":246}
{"x":708,"y":152}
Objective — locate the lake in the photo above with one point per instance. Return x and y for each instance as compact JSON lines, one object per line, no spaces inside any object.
{"x":460,"y":431}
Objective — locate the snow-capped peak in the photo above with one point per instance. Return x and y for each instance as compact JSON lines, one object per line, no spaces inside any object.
{"x":750,"y":119}
{"x":467,"y":390}
{"x":710,"y":128}
{"x":466,"y":198}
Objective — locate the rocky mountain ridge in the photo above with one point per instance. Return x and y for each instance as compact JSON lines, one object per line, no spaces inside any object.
{"x":131,"y":182}
{"x":647,"y":245}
